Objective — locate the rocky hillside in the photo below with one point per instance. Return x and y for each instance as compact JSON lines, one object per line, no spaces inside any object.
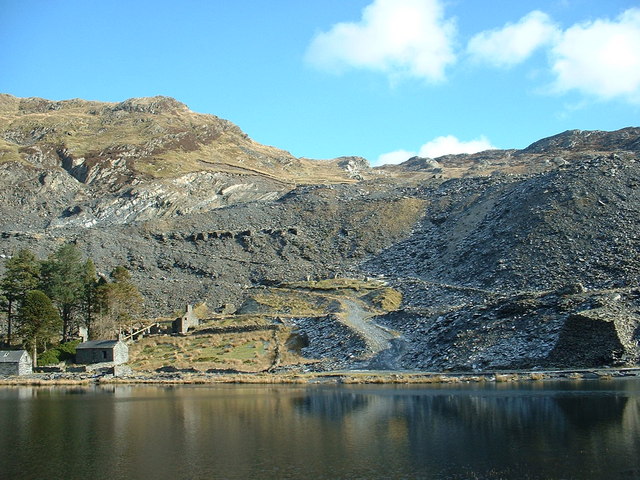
{"x":526,"y":270}
{"x":505,"y":258}
{"x":90,"y":163}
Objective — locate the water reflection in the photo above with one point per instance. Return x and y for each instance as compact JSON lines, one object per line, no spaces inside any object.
{"x":333,"y":405}
{"x":564,"y":430}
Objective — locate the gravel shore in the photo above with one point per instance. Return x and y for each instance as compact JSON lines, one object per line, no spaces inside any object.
{"x":337,"y":377}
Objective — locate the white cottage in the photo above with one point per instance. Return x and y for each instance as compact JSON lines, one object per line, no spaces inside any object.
{"x":15,"y":362}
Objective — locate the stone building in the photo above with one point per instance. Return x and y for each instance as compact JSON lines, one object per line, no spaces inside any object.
{"x":185,"y":322}
{"x":102,"y":351}
{"x":15,"y":362}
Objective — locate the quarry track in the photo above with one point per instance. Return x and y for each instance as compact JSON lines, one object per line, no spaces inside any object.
{"x":358,"y":319}
{"x":385,"y":346}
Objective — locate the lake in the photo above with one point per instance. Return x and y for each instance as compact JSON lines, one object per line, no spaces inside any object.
{"x":536,"y":430}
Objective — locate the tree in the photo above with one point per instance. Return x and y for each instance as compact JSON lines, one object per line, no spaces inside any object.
{"x":4,"y":304}
{"x":120,"y":302}
{"x":39,"y":321}
{"x":62,"y":280}
{"x":89,"y":301}
{"x":22,"y":275}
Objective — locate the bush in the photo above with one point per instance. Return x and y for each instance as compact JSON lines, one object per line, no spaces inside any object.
{"x":50,"y":357}
{"x":62,"y":353}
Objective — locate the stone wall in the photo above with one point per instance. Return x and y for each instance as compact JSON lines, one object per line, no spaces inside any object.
{"x":120,"y":353}
{"x":94,"y":355}
{"x":588,"y":339}
{"x":8,"y":369}
{"x":25,"y":366}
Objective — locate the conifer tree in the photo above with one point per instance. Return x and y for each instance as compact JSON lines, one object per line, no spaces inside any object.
{"x":62,"y":281}
{"x":22,"y":275}
{"x":39,"y":321}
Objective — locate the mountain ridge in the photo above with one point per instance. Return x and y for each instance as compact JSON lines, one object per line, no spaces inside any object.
{"x":502,"y":256}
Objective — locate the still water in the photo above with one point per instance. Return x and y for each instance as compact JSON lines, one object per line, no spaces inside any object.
{"x":559,"y":430}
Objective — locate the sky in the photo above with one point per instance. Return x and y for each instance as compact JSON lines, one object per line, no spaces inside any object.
{"x":381,"y":79}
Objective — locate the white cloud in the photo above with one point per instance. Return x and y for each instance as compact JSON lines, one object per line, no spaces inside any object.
{"x":395,"y":157}
{"x":397,"y":37}
{"x":515,"y":42}
{"x":451,"y":145}
{"x":600,"y":58}
{"x":439,"y":146}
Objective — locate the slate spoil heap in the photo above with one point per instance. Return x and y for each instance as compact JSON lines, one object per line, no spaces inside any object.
{"x":523,"y":272}
{"x":505,"y":258}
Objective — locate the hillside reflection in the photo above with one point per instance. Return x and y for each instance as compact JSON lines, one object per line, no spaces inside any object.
{"x":589,"y":430}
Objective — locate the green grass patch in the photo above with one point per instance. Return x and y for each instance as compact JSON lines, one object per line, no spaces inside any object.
{"x":251,"y":351}
{"x":338,"y":284}
{"x":247,"y":351}
{"x":287,"y":302}
{"x":386,"y":299}
{"x":211,"y":351}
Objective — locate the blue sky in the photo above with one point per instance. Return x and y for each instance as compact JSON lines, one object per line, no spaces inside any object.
{"x":382,"y":79}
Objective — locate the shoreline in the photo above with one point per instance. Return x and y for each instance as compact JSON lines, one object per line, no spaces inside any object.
{"x":353,"y":377}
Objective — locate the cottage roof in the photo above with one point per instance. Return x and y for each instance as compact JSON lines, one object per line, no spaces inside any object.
{"x":11,"y":356}
{"x":98,"y":344}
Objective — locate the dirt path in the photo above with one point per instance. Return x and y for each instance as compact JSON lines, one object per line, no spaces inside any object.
{"x":385,"y":346}
{"x":357,"y":318}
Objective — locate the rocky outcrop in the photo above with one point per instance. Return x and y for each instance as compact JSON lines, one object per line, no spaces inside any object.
{"x":626,"y":139}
